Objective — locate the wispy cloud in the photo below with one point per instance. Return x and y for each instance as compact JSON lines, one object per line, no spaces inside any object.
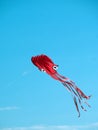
{"x":25,"y":73}
{"x":54,"y":127}
{"x":8,"y":108}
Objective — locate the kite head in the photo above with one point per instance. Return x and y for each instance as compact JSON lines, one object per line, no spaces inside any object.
{"x":45,"y":64}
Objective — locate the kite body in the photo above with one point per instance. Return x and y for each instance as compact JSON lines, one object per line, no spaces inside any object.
{"x":45,"y":64}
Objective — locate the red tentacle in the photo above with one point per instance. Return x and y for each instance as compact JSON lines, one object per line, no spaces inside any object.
{"x":82,"y":94}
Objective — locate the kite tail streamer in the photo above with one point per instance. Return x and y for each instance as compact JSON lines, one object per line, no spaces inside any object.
{"x":77,"y":94}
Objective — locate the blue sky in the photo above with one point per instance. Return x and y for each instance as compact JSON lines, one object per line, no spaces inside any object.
{"x":65,"y":30}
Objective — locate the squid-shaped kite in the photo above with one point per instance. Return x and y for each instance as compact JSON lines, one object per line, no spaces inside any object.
{"x":45,"y":64}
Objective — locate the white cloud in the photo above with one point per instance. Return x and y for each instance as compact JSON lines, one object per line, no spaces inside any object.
{"x":8,"y":108}
{"x":62,"y":127}
{"x":25,"y":73}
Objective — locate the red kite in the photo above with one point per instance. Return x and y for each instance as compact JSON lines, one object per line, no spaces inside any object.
{"x":45,"y":64}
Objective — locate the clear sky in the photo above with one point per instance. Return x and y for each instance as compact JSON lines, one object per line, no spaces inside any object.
{"x":66,"y":31}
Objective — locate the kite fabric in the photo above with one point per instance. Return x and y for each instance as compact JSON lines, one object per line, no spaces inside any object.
{"x":45,"y":64}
